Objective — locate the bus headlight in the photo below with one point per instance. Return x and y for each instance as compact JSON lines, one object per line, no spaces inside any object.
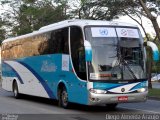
{"x":142,"y":90}
{"x":97,"y":91}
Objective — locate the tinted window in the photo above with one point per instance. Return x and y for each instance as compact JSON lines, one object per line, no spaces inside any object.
{"x":56,"y":43}
{"x":46,"y":43}
{"x":59,"y":41}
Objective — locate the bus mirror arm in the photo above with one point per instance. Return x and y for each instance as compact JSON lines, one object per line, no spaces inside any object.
{"x":88,"y":51}
{"x":154,"y":48}
{"x":145,"y":44}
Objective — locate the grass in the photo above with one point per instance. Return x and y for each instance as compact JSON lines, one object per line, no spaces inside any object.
{"x":154,"y":92}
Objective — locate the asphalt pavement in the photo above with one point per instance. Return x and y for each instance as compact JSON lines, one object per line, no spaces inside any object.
{"x":156,"y":85}
{"x":32,"y":108}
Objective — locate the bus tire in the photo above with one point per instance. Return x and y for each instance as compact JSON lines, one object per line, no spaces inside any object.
{"x":16,"y":91}
{"x":112,"y":106}
{"x":63,"y":98}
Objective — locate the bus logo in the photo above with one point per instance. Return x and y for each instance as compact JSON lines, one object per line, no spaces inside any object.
{"x":123,"y":32}
{"x":103,"y":32}
{"x":122,"y":89}
{"x":48,"y":67}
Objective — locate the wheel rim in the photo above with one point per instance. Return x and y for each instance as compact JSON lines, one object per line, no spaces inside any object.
{"x":64,"y":98}
{"x":15,"y":92}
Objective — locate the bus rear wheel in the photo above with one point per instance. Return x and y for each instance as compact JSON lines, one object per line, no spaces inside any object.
{"x":63,"y":98}
{"x":15,"y":90}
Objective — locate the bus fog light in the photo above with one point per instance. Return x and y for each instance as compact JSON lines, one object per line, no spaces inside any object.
{"x":97,"y":91}
{"x":142,"y":90}
{"x":94,"y":99}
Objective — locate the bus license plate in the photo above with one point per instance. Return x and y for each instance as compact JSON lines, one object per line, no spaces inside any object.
{"x":123,"y":98}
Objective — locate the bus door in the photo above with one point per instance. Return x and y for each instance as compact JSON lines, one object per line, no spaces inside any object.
{"x":77,"y":51}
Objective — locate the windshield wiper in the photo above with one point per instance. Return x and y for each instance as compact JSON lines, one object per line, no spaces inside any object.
{"x":123,"y":62}
{"x":126,"y":64}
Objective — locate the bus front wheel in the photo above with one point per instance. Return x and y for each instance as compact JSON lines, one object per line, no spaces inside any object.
{"x":15,"y":90}
{"x":63,"y":98}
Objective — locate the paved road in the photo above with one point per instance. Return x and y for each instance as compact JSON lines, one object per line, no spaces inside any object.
{"x":34,"y":108}
{"x":156,"y":85}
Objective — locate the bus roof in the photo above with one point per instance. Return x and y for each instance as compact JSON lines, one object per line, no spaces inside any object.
{"x":73,"y":22}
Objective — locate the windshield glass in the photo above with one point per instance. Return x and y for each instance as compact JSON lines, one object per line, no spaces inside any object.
{"x":114,"y":57}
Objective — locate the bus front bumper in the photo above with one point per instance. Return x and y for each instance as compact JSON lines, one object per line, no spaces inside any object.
{"x":96,"y":99}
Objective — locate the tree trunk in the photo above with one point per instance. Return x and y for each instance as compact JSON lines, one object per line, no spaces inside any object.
{"x":156,"y":27}
{"x":149,"y":66}
{"x":152,"y":18}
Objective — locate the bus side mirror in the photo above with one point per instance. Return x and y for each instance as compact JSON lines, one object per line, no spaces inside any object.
{"x":154,"y":50}
{"x":88,"y":50}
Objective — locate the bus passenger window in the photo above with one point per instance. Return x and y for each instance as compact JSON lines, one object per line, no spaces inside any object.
{"x":59,"y":41}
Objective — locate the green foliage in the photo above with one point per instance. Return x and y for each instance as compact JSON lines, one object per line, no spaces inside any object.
{"x":154,"y":93}
{"x":149,"y":37}
{"x":96,"y":10}
{"x":26,"y":16}
{"x":2,"y":31}
{"x":2,"y":35}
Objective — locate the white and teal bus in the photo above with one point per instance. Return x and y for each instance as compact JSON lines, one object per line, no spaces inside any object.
{"x":88,"y":62}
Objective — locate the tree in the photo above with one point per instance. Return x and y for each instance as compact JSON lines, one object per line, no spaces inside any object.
{"x":154,"y":6}
{"x":94,"y":9}
{"x":26,"y":16}
{"x":2,"y":31}
{"x":146,"y":8}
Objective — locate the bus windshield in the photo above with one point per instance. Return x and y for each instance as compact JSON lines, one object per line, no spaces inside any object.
{"x":115,"y":57}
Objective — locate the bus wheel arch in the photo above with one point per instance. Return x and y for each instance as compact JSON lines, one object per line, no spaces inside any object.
{"x":62,"y":94}
{"x":15,"y":89}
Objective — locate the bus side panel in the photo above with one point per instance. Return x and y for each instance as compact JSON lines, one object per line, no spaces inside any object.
{"x":78,"y":92}
{"x":27,"y":82}
{"x":50,"y":70}
{"x":40,"y":75}
{"x":8,"y":75}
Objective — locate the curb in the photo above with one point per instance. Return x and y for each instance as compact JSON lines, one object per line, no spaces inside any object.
{"x":153,"y":98}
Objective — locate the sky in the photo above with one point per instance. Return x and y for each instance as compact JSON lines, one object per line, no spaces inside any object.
{"x":146,"y":23}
